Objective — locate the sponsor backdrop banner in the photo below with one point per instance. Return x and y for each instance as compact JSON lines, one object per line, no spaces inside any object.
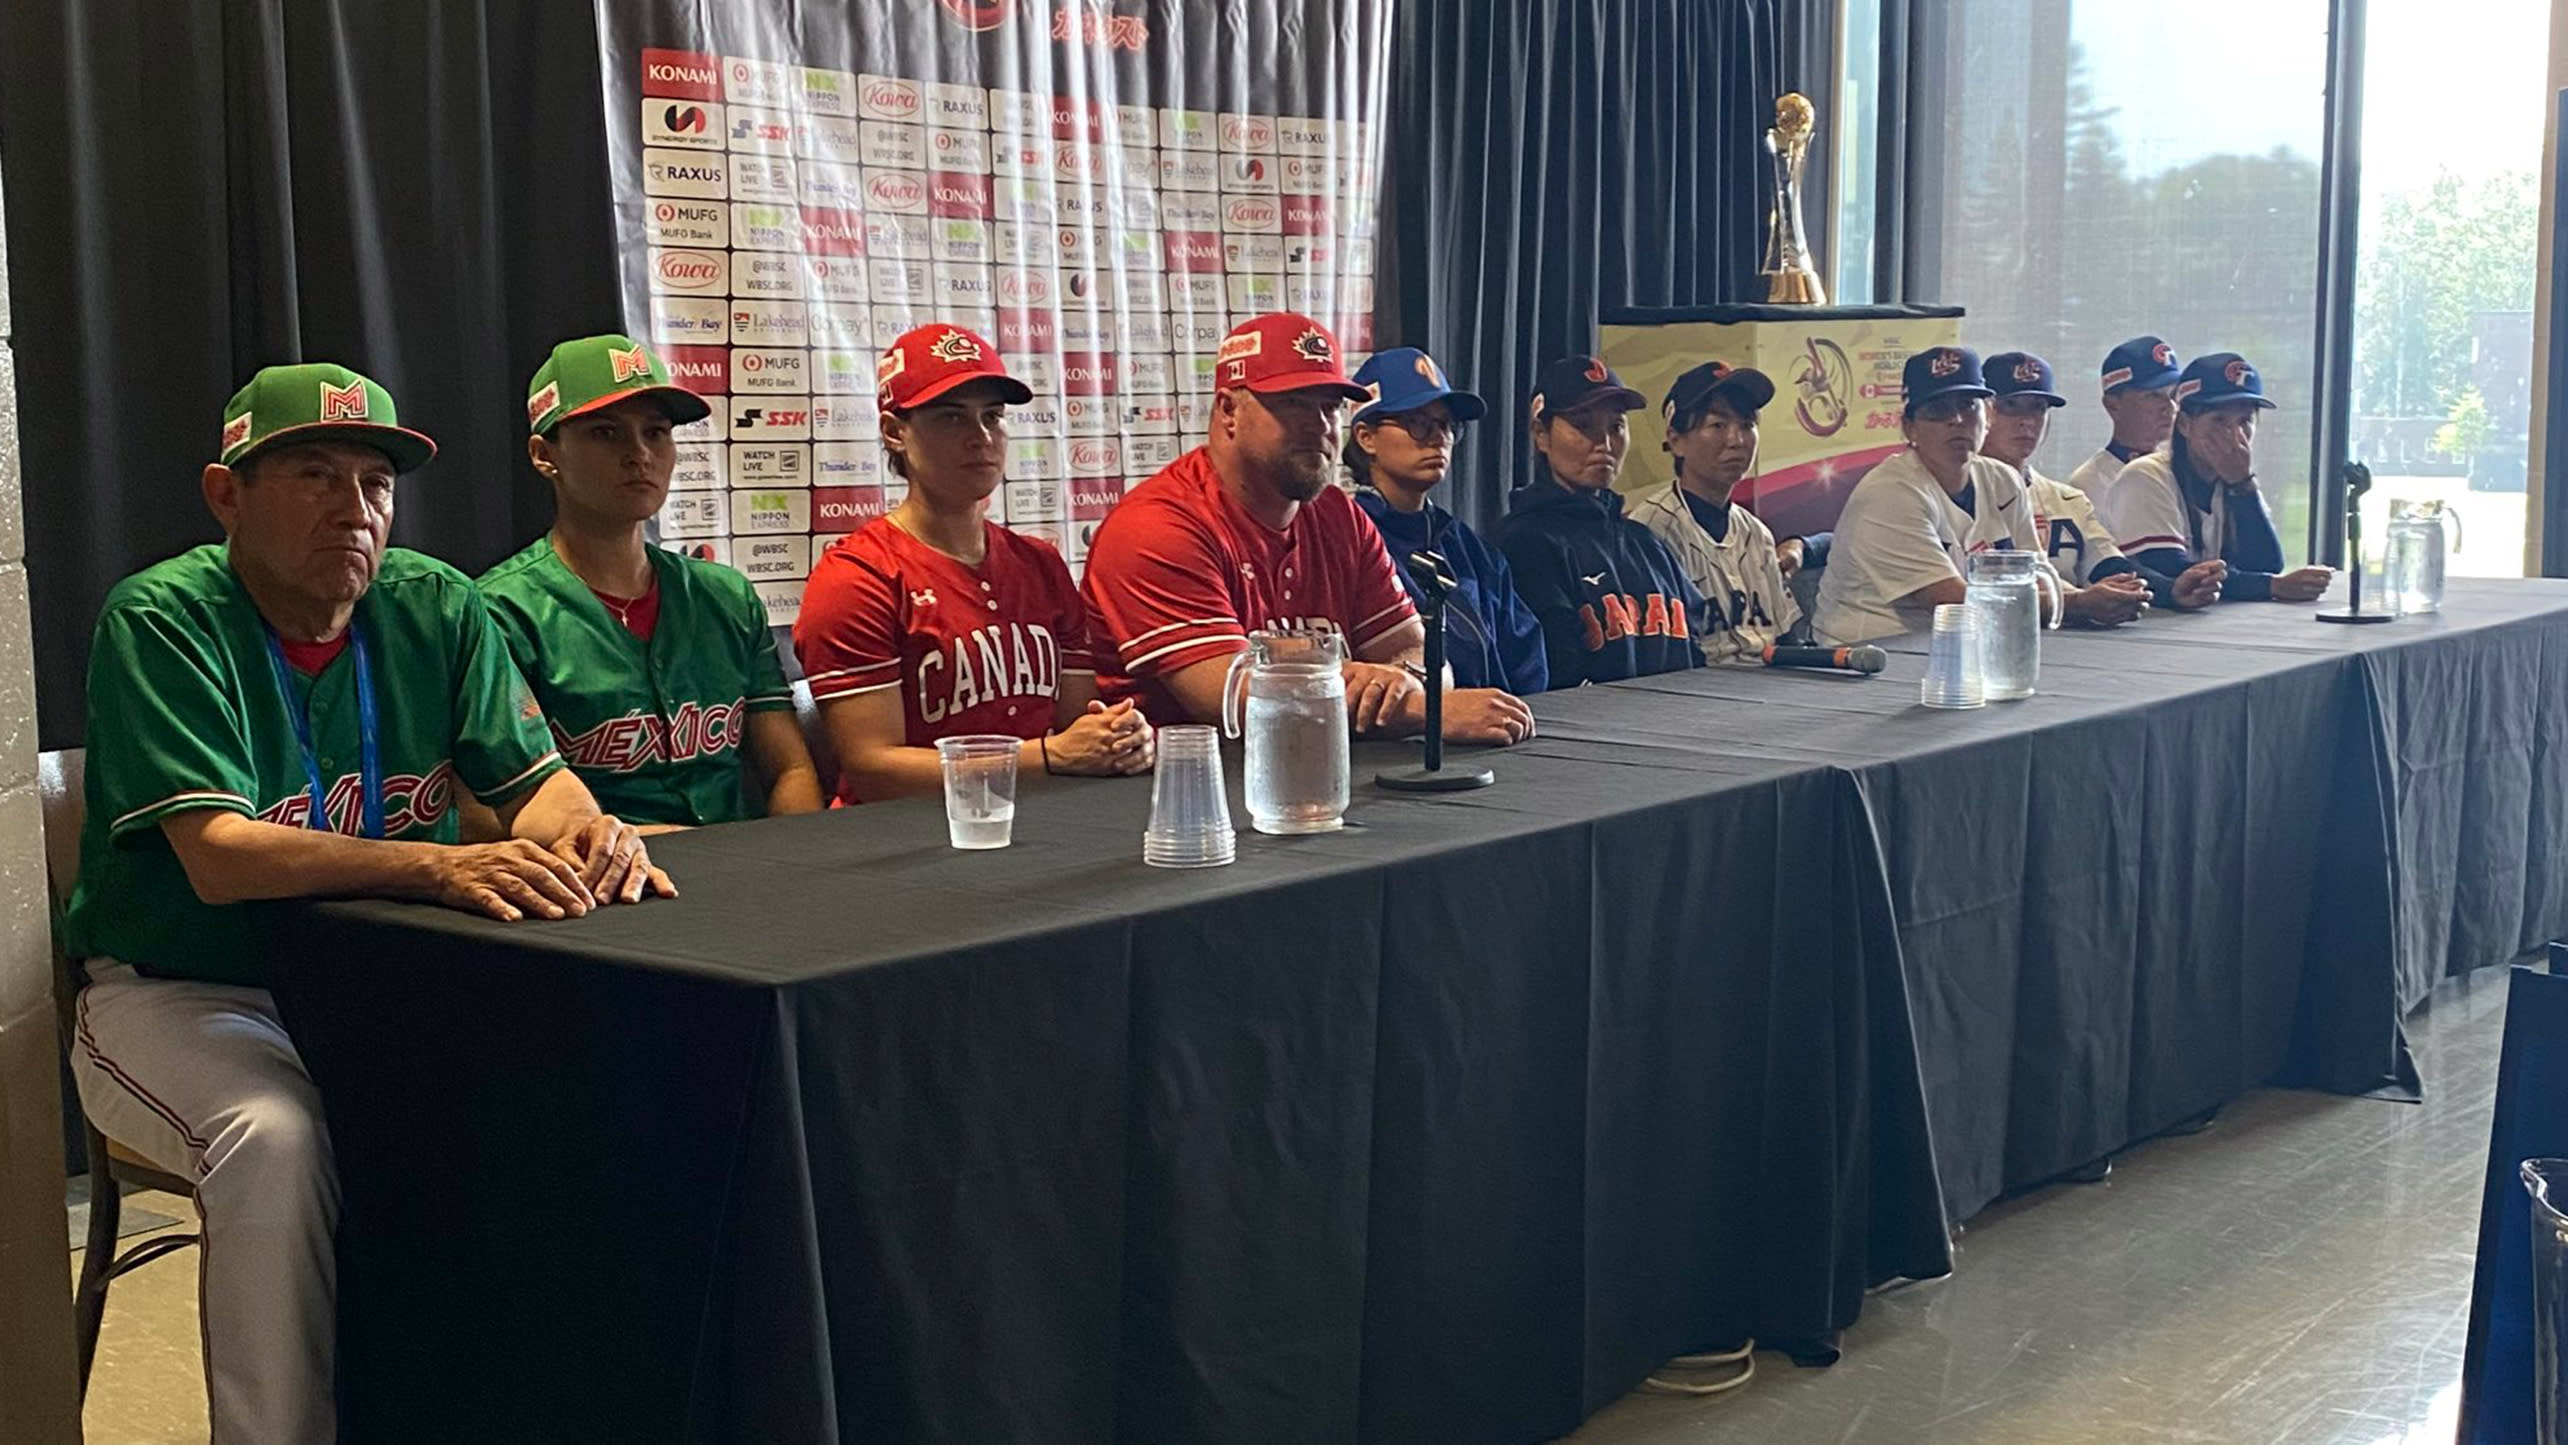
{"x":1837,"y":393}
{"x":1099,"y":189}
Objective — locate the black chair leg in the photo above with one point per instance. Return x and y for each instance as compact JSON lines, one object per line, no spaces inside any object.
{"x":98,"y":1259}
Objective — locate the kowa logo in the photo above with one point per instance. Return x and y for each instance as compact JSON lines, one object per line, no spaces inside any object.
{"x":891,"y":99}
{"x":690,"y":270}
{"x":978,"y":14}
{"x":894,"y":190}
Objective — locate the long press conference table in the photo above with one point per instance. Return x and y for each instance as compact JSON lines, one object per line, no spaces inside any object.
{"x":1734,"y":992}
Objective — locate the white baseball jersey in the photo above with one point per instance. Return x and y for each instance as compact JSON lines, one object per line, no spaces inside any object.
{"x":2074,"y":537}
{"x":2096,"y":473}
{"x":2147,"y":510}
{"x":1902,"y":532}
{"x":1747,"y":605}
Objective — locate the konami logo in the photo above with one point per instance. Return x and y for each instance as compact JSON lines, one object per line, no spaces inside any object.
{"x":1087,"y":373}
{"x":681,"y":74}
{"x":963,"y":196}
{"x":705,"y":369}
{"x":833,"y":233}
{"x":1195,"y":251}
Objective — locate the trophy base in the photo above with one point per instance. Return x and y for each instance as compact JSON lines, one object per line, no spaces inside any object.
{"x":2353,"y":617}
{"x":1795,"y":288}
{"x":1443,"y":780}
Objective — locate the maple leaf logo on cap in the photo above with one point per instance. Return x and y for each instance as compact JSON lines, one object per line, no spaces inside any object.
{"x":1312,"y":346}
{"x":954,"y":348}
{"x":1944,"y":363}
{"x":628,"y":362}
{"x":343,"y":403}
{"x":2238,"y":371}
{"x":2163,"y":354}
{"x":1595,"y":370}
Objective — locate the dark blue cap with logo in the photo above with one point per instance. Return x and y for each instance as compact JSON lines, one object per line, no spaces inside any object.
{"x":1746,"y":385}
{"x":2220,"y":379}
{"x":1572,"y":383}
{"x":2021,"y":373}
{"x":1405,"y":379}
{"x":1941,"y":371}
{"x":2144,"y":362}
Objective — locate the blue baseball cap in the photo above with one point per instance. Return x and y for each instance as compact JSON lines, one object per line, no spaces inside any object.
{"x":2145,"y":362}
{"x":2021,"y":373}
{"x":2222,"y":377}
{"x":1405,"y":379}
{"x":1941,"y":371}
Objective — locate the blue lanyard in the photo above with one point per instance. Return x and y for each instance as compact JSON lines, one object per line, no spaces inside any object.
{"x":369,"y":759}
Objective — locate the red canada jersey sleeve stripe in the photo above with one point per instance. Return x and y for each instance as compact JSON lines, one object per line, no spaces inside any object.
{"x":1159,"y":588}
{"x":847,"y":635}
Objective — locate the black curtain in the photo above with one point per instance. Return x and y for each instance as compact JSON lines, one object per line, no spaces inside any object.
{"x":197,"y":188}
{"x":1549,"y":159}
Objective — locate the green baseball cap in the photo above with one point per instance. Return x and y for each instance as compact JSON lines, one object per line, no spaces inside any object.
{"x":594,"y":371}
{"x":318,"y":402}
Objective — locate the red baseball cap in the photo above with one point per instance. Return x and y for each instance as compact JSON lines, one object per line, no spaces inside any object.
{"x":931,"y":360}
{"x":1284,"y":351}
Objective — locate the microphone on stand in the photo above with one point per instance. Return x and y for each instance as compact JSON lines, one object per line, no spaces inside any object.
{"x":1436,"y":584}
{"x":1865,"y":658}
{"x":2358,"y":480}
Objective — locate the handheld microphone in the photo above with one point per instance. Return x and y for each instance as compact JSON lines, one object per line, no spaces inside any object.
{"x":1864,"y":659}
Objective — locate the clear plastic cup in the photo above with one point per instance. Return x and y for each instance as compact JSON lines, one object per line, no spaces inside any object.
{"x":1953,"y":660}
{"x":1190,"y":823}
{"x":980,"y":788}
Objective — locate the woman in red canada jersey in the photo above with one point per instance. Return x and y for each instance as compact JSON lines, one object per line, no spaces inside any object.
{"x":933,"y":621}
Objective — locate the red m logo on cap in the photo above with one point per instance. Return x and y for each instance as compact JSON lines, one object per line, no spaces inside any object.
{"x":343,"y":403}
{"x":628,"y":363}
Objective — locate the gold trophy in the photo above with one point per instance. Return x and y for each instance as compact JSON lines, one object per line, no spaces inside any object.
{"x":1791,"y":276}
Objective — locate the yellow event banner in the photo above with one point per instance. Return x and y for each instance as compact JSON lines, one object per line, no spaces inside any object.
{"x":1836,"y":406}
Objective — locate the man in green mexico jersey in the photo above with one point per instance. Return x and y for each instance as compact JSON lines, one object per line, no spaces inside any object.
{"x":294,"y":712}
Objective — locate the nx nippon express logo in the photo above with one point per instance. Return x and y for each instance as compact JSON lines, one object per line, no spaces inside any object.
{"x":978,"y":14}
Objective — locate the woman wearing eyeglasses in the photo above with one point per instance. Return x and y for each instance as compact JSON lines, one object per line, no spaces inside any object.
{"x":1400,"y":448}
{"x":1612,"y":599}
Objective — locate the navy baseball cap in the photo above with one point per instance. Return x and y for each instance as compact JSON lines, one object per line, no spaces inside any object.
{"x":1576,"y":381}
{"x":1751,"y":388}
{"x":2145,"y":362}
{"x":2021,"y":373}
{"x":1405,"y":379}
{"x":1941,"y":371}
{"x":2222,"y":377}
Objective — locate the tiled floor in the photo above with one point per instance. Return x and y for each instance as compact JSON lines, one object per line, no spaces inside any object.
{"x":2297,"y":1275}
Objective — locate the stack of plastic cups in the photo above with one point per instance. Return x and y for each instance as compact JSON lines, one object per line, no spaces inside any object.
{"x":1953,"y":660}
{"x":1190,"y":824}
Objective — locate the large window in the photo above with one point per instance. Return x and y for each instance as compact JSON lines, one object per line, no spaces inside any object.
{"x":2098,"y":170}
{"x":2453,"y":95}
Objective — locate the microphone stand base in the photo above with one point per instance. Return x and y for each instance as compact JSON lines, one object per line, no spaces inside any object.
{"x":2354,"y":617}
{"x":1443,"y":780}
